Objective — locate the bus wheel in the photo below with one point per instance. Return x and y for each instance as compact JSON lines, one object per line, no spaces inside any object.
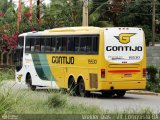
{"x":29,"y":83}
{"x":81,"y":89}
{"x":120,"y":93}
{"x":71,"y":86}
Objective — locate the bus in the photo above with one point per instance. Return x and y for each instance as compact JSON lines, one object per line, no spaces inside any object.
{"x":109,"y":60}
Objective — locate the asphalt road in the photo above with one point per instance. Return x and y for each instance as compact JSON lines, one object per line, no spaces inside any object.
{"x":128,"y":102}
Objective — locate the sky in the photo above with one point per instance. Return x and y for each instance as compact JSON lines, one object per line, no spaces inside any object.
{"x":27,"y":1}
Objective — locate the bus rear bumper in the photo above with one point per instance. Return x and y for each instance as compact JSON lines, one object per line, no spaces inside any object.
{"x":122,"y":85}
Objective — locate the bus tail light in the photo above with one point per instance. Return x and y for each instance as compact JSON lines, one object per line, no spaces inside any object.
{"x":102,"y":73}
{"x":144,"y":72}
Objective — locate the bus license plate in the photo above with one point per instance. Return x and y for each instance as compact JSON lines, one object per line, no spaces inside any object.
{"x":127,"y":75}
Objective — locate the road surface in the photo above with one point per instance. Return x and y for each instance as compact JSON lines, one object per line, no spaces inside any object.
{"x":129,"y":101}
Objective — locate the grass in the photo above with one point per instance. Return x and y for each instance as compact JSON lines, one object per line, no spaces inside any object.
{"x":49,"y":102}
{"x":7,"y":74}
{"x":55,"y":103}
{"x":8,"y":100}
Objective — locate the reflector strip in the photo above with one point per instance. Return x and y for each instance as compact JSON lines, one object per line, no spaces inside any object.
{"x":123,"y":71}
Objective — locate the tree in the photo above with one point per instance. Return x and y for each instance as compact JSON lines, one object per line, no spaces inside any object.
{"x":139,"y":13}
{"x":63,"y":13}
{"x":97,"y":13}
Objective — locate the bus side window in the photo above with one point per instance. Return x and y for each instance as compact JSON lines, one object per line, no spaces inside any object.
{"x":48,"y":44}
{"x":95,"y":44}
{"x":88,"y":44}
{"x":37,"y":45}
{"x":32,"y":44}
{"x":58,"y":44}
{"x":28,"y":46}
{"x":83,"y":47}
{"x":70,"y":44}
{"x":42,"y":42}
{"x":77,"y":44}
{"x":53,"y":44}
{"x":64,"y":44}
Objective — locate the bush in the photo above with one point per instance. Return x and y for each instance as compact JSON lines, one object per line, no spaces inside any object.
{"x":57,"y":100}
{"x":153,"y":87}
{"x":153,"y":83}
{"x":151,"y":72}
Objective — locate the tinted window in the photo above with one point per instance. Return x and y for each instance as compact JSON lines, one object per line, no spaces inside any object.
{"x":53,"y":44}
{"x":28,"y":47}
{"x":95,"y":44}
{"x":42,"y":43}
{"x":37,"y":45}
{"x":48,"y":44}
{"x":32,"y":41}
{"x":77,"y":44}
{"x":58,"y":44}
{"x":87,"y":44}
{"x":70,"y":44}
{"x":64,"y":44}
{"x":20,"y":42}
{"x":83,"y":42}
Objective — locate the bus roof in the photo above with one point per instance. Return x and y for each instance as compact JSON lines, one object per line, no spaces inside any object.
{"x":65,"y":31}
{"x":71,"y":31}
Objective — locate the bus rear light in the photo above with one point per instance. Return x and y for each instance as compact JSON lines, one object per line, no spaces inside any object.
{"x":102,"y":73}
{"x":144,"y":72}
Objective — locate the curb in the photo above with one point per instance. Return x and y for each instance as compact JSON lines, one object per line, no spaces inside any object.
{"x":143,"y":93}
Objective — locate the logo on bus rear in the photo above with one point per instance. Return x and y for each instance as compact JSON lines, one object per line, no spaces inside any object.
{"x":124,"y":38}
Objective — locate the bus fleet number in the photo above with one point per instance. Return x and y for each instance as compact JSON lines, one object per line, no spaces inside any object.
{"x":92,"y":61}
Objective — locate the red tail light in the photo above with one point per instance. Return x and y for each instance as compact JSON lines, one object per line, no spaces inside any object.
{"x":102,"y":73}
{"x":144,"y":72}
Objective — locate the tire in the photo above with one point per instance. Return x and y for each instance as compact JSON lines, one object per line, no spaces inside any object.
{"x":121,"y":93}
{"x":29,"y":83}
{"x":81,"y":89}
{"x":107,"y":93}
{"x":72,"y":87}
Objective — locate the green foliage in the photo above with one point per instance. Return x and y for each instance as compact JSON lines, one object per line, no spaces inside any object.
{"x":8,"y":100}
{"x":57,"y":100}
{"x":153,"y":83}
{"x":155,"y":87}
{"x":103,"y":24}
{"x":63,"y":13}
{"x":135,"y":13}
{"x":7,"y":74}
{"x":147,"y":32}
{"x":97,"y":14}
{"x":151,"y":72}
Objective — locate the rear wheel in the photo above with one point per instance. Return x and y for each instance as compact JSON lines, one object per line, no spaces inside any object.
{"x":81,"y":89}
{"x":29,"y":83}
{"x":121,"y":93}
{"x":72,"y":89}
